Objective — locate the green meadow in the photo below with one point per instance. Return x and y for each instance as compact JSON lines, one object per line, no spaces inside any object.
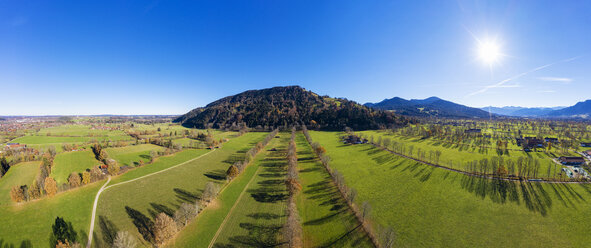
{"x":456,"y":156}
{"x":29,"y":224}
{"x":432,"y":207}
{"x":326,"y":219}
{"x":66,"y":163}
{"x":79,"y":130}
{"x":130,"y":155}
{"x":133,"y":205}
{"x":260,"y":214}
{"x":19,"y":174}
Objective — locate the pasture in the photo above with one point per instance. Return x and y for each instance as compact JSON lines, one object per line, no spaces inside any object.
{"x":260,"y":214}
{"x":432,"y":207}
{"x":326,"y":219}
{"x":19,"y":174}
{"x":66,"y":163}
{"x":131,"y":155}
{"x":132,"y":205}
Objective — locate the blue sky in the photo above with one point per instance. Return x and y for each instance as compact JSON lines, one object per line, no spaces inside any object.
{"x":167,"y":57}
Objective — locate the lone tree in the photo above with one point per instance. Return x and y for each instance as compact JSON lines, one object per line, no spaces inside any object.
{"x":16,"y":194}
{"x":85,"y":177}
{"x":62,"y":232}
{"x":232,"y":172}
{"x":74,"y":179}
{"x":164,"y":228}
{"x":210,"y":192}
{"x":185,"y":213}
{"x":124,"y":240}
{"x":50,"y":186}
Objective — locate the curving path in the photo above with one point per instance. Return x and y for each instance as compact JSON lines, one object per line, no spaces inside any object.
{"x":105,"y":187}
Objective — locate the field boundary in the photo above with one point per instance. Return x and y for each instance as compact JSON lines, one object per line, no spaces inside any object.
{"x":217,"y":233}
{"x":89,"y":243}
{"x":536,"y":180}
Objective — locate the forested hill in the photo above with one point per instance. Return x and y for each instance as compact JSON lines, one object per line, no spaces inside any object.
{"x":285,"y":106}
{"x":429,"y":107}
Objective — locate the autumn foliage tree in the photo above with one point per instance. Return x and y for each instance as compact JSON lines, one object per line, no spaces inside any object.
{"x":50,"y":186}
{"x":164,"y":228}
{"x":74,"y":180}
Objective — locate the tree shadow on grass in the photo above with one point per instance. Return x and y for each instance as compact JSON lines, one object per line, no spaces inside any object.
{"x":160,"y":208}
{"x":260,"y":236}
{"x":185,"y":195}
{"x":24,"y":244}
{"x":216,"y":175}
{"x":108,"y":229}
{"x":144,"y":225}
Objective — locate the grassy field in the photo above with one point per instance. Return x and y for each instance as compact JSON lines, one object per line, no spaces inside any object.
{"x":130,"y":155}
{"x":326,"y":219}
{"x":430,"y":207}
{"x":78,"y":130}
{"x":456,"y":157}
{"x":30,"y":223}
{"x":136,"y":203}
{"x":58,"y":141}
{"x":260,"y":214}
{"x":66,"y":163}
{"x":19,"y":174}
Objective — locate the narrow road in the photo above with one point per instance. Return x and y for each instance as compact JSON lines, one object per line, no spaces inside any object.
{"x":90,"y":233}
{"x":217,"y":233}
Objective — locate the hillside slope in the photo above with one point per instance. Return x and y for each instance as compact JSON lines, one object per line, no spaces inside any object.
{"x":431,"y":106}
{"x":581,"y":109}
{"x":285,"y":106}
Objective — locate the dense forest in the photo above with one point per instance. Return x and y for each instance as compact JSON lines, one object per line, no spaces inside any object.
{"x":286,"y":106}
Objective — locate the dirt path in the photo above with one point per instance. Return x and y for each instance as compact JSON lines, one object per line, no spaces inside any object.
{"x":217,"y":233}
{"x":90,"y":233}
{"x":94,"y":212}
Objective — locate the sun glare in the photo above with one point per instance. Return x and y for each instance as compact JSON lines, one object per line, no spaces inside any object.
{"x":489,"y":52}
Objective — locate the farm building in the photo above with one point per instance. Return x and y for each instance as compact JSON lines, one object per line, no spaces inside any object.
{"x":530,"y":142}
{"x":352,"y":139}
{"x":576,"y":161}
{"x":473,"y":131}
{"x":551,"y":140}
{"x":15,"y":145}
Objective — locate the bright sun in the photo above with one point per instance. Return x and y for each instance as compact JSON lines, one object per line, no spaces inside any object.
{"x":489,"y":52}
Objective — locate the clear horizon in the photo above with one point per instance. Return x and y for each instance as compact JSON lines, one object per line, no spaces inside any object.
{"x":164,"y":58}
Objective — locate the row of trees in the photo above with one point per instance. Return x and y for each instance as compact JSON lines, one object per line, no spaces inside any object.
{"x":239,"y":166}
{"x":293,"y":228}
{"x":386,"y":238}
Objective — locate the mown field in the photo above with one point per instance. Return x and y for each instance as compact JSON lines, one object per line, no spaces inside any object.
{"x":79,"y":130}
{"x":19,"y":174}
{"x":131,"y":155}
{"x":258,"y":219}
{"x":457,"y":156}
{"x":325,"y":217}
{"x":431,"y":207}
{"x":30,"y":223}
{"x":58,"y":141}
{"x":66,"y":163}
{"x":129,"y":206}
{"x":200,"y":232}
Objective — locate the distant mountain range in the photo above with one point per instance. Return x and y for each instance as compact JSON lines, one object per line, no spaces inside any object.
{"x":287,"y":106}
{"x":579,"y":110}
{"x":432,"y":106}
{"x":520,"y":111}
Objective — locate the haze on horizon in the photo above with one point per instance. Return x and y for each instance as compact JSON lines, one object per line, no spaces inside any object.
{"x":124,"y":57}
